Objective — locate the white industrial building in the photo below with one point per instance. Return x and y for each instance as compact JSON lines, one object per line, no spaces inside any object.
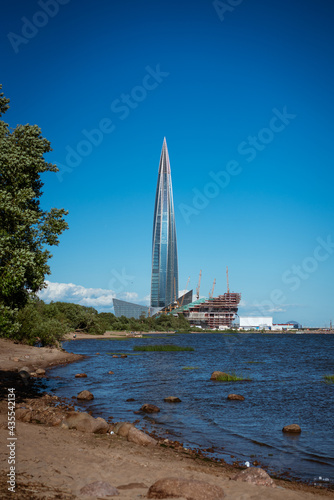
{"x":256,"y":323}
{"x":284,"y":326}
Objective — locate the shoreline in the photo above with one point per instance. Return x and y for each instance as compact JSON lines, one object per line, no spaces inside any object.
{"x":15,"y":356}
{"x":169,"y":459}
{"x":123,"y":334}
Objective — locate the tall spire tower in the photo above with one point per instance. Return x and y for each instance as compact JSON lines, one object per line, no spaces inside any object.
{"x":165,"y":278}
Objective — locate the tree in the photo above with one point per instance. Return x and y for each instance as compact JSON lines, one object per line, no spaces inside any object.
{"x":26,"y":230}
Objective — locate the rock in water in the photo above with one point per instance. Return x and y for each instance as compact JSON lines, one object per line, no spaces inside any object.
{"x":40,"y":371}
{"x":99,"y":489}
{"x":293,"y":428}
{"x":172,"y":399}
{"x":191,"y":489}
{"x":236,"y":397}
{"x":147,"y":408}
{"x":217,"y":374}
{"x":85,"y":395}
{"x":24,"y":375}
{"x":255,"y":475}
{"x":81,"y":375}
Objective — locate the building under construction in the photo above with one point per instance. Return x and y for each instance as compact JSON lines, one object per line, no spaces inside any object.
{"x":213,"y":313}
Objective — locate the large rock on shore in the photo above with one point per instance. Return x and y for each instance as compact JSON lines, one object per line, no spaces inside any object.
{"x":84,"y":422}
{"x":236,"y":397}
{"x":23,"y":414}
{"x":136,"y":436}
{"x":85,"y":396}
{"x":254,"y":475}
{"x":122,"y":428}
{"x":217,"y":374}
{"x":190,"y":489}
{"x":99,"y":489}
{"x":148,"y":408}
{"x":292,"y":428}
{"x":129,"y":431}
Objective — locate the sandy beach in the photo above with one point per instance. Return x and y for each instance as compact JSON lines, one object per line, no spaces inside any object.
{"x":56,"y":462}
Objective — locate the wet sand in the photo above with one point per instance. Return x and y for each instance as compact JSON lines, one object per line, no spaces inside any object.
{"x":53,"y":462}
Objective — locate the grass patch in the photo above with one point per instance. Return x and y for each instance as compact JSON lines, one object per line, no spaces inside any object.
{"x":329,"y":379}
{"x":230,"y":378}
{"x":190,"y":368}
{"x":162,"y":348}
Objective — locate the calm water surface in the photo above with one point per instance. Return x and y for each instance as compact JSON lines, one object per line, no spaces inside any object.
{"x":286,"y":387}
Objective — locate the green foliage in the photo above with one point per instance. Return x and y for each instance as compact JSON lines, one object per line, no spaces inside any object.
{"x":25,"y":228}
{"x":48,"y":323}
{"x":162,"y":323}
{"x":329,"y":379}
{"x":159,"y":347}
{"x":190,"y":368}
{"x":80,"y":318}
{"x":39,"y":323}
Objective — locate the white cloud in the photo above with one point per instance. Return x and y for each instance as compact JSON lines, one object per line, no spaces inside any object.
{"x":99,"y":298}
{"x":146,"y":300}
{"x":264,"y":308}
{"x":130,"y":296}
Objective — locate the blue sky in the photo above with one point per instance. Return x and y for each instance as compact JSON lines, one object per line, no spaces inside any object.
{"x":242,"y":90}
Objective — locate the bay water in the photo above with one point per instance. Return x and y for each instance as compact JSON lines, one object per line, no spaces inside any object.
{"x":286,"y":386}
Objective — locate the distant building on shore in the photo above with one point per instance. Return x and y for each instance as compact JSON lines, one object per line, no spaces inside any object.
{"x":215,"y":313}
{"x":256,"y":322}
{"x":266,"y":323}
{"x":165,"y":278}
{"x":285,"y":326}
{"x":129,"y":309}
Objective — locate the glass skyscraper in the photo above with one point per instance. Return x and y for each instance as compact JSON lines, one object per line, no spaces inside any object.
{"x":165,"y":280}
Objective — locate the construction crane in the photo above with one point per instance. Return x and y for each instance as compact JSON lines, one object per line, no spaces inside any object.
{"x":199,"y":284}
{"x":213,"y":287}
{"x":180,"y":305}
{"x":228,"y":286}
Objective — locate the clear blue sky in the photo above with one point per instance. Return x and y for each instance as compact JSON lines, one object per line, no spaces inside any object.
{"x":243,"y":94}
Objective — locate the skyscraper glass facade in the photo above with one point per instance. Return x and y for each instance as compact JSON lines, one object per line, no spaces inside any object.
{"x":165,"y":281}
